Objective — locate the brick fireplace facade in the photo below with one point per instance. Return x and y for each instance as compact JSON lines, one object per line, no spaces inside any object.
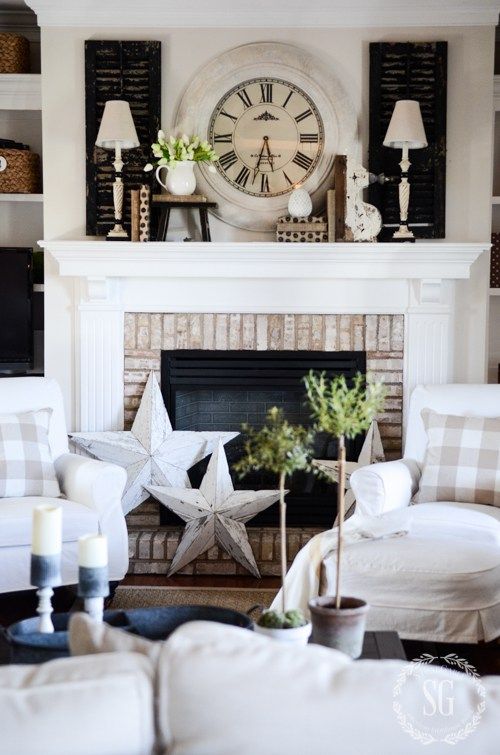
{"x":147,"y":334}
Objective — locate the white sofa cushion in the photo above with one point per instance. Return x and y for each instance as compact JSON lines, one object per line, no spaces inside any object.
{"x":462,"y":461}
{"x":16,"y":519}
{"x":224,"y":690}
{"x":100,"y":705}
{"x":474,"y":523}
{"x":491,"y":511}
{"x":26,"y":465}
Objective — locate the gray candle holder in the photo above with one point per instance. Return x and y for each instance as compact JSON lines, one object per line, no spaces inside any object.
{"x":45,"y":573}
{"x":93,"y":587}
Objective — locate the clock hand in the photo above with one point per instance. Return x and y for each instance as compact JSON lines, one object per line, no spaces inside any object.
{"x":270,"y":156}
{"x":257,"y":166}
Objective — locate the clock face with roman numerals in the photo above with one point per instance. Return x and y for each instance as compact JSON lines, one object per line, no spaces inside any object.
{"x":269,"y":136}
{"x":277,"y":116}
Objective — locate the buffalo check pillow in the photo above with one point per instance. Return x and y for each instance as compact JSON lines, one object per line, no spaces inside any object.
{"x":26,"y":466}
{"x":462,"y":461}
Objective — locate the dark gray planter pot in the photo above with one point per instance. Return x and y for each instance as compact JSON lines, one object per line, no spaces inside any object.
{"x":342,"y":629}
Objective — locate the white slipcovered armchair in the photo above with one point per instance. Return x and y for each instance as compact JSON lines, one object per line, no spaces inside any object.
{"x":92,"y":493}
{"x":441,"y":581}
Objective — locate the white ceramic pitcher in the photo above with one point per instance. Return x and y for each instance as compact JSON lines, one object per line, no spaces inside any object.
{"x":180,"y":179}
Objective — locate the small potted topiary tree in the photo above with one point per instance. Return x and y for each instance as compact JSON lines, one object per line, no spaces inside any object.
{"x":342,"y":412}
{"x":282,"y":449}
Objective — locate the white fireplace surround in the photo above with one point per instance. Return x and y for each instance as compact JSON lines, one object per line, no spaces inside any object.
{"x":416,"y":280}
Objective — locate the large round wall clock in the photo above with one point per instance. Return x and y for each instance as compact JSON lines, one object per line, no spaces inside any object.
{"x":276,"y":117}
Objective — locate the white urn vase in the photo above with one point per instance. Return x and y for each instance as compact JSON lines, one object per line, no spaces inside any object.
{"x":180,"y":178}
{"x":299,"y":204}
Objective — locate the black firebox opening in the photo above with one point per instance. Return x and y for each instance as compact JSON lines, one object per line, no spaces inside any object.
{"x":218,"y":390}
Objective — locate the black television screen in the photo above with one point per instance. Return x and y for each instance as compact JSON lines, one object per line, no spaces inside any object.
{"x":16,"y":333}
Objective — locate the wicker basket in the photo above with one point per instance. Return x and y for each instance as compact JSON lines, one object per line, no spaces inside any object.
{"x":14,"y":53}
{"x":19,"y":171}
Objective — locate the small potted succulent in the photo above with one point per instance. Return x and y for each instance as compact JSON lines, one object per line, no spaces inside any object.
{"x":282,"y":449}
{"x":178,"y":155}
{"x":342,"y":412}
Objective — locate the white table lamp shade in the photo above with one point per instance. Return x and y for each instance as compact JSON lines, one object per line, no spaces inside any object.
{"x":406,"y":128}
{"x":117,"y":127}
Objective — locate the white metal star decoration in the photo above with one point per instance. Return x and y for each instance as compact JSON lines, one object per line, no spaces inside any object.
{"x":372,"y":452}
{"x":215,"y":514}
{"x":151,"y":452}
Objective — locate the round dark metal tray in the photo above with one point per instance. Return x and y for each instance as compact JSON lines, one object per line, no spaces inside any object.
{"x":27,"y":645}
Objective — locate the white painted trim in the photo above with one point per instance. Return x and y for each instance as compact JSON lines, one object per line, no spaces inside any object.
{"x":21,"y":198}
{"x":20,"y":91}
{"x":250,"y":260}
{"x":261,"y":14}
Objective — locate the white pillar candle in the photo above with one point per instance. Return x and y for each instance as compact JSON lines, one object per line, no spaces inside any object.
{"x":93,"y":551}
{"x":47,"y":530}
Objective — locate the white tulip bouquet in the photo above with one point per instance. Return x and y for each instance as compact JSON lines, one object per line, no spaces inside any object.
{"x":172,"y":150}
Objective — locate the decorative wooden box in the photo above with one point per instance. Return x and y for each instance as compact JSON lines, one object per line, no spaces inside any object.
{"x":495,"y":261}
{"x":311,"y":229}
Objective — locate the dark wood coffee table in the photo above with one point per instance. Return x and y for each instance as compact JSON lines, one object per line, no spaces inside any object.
{"x":383,"y":646}
{"x":377,"y":646}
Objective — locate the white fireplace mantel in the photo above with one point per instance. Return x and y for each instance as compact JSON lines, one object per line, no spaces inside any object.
{"x":416,"y":280}
{"x":100,"y":259}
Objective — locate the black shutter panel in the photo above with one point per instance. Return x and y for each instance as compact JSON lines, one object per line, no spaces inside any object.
{"x":414,"y":71}
{"x":119,"y":70}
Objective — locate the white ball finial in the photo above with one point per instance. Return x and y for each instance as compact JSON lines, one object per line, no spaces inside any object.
{"x":299,"y":204}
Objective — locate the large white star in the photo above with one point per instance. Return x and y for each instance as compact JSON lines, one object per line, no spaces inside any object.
{"x":151,"y":452}
{"x":215,"y":514}
{"x":372,"y":452}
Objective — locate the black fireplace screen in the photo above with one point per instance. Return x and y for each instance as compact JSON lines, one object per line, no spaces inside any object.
{"x":218,"y":390}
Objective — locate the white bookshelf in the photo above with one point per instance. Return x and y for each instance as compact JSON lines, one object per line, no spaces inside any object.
{"x":21,"y":215}
{"x":21,"y":198}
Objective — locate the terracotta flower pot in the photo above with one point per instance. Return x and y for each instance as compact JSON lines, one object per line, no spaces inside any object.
{"x":343,"y":628}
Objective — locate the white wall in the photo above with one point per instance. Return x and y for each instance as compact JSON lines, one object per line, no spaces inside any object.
{"x":184,"y":51}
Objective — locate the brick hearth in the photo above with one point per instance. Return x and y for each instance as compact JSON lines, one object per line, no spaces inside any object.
{"x":152,"y":548}
{"x":146,"y":335}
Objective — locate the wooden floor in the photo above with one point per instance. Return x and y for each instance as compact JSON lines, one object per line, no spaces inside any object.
{"x":202,"y":581}
{"x":17,"y":606}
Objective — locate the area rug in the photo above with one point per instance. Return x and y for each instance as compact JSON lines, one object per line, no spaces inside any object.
{"x":238,"y":599}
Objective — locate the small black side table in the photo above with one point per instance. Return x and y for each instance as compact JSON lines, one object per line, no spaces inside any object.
{"x":383,"y":645}
{"x":167,"y":203}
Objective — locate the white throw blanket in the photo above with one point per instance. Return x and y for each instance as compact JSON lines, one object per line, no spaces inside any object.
{"x":432,"y":520}
{"x":303,"y":578}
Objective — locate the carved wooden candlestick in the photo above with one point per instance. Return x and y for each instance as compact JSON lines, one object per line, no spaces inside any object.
{"x":45,"y":572}
{"x":403,"y":231}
